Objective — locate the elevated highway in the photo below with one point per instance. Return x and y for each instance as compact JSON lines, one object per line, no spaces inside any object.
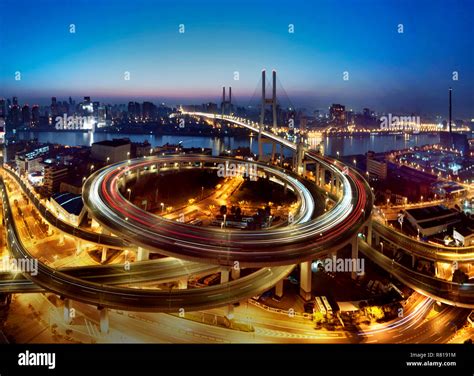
{"x":137,"y":299}
{"x":303,"y":240}
{"x":459,"y":295}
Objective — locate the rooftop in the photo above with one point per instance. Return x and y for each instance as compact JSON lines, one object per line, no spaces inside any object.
{"x":430,"y":212}
{"x":113,"y":143}
{"x":70,"y":202}
{"x":464,"y":230}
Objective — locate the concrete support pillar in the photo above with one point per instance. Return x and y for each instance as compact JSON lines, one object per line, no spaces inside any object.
{"x":94,"y":224}
{"x":67,"y":311}
{"x":305,"y":280}
{"x":104,"y":320}
{"x":369,"y":234}
{"x":230,"y":311}
{"x":235,"y":273}
{"x":273,"y":151}
{"x":183,"y":283}
{"x":354,"y":254}
{"x":316,"y":174}
{"x":413,"y":261}
{"x":104,"y":254}
{"x":323,"y":177}
{"x":142,"y":254}
{"x":377,"y":239}
{"x":281,"y":155}
{"x":331,"y":182}
{"x":299,"y":156}
{"x":224,"y":276}
{"x":78,"y":243}
{"x":279,"y":289}
{"x":61,"y":238}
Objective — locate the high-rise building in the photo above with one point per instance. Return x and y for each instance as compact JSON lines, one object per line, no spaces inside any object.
{"x":15,"y":101}
{"x":337,"y":114}
{"x":112,"y":151}
{"x":53,"y":176}
{"x":149,"y":111}
{"x":14,"y":115}
{"x":376,"y":167}
{"x":25,"y":115}
{"x":35,"y":115}
{"x":54,"y":107}
{"x":3,"y":108}
{"x":134,"y":110}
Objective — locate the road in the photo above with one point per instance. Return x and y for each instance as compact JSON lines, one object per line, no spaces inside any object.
{"x":304,"y":240}
{"x":459,"y":295}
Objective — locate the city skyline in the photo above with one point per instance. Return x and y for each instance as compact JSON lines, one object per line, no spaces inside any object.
{"x":408,"y":73}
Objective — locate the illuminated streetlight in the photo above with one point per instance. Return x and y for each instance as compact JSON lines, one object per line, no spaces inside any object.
{"x":162,"y":207}
{"x":129,"y":193}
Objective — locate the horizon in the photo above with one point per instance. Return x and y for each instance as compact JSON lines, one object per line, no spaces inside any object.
{"x":405,"y":73}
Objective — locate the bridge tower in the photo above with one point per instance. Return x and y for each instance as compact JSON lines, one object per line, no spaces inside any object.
{"x":273,"y":102}
{"x":226,"y":104}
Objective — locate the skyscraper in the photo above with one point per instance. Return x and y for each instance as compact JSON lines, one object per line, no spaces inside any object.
{"x":337,"y":114}
{"x":26,"y":115}
{"x":35,"y":115}
{"x":3,"y":108}
{"x":54,"y":107}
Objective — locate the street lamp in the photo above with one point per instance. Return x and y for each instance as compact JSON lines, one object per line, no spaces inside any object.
{"x":381,"y":247}
{"x":129,"y":193}
{"x":108,"y":159}
{"x":162,"y":207}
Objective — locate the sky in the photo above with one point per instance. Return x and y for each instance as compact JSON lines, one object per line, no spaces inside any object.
{"x":388,"y":71}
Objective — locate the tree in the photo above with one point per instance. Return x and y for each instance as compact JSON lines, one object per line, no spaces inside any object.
{"x":223,"y":210}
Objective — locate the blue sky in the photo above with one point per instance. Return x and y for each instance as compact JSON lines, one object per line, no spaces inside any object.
{"x":388,"y":71}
